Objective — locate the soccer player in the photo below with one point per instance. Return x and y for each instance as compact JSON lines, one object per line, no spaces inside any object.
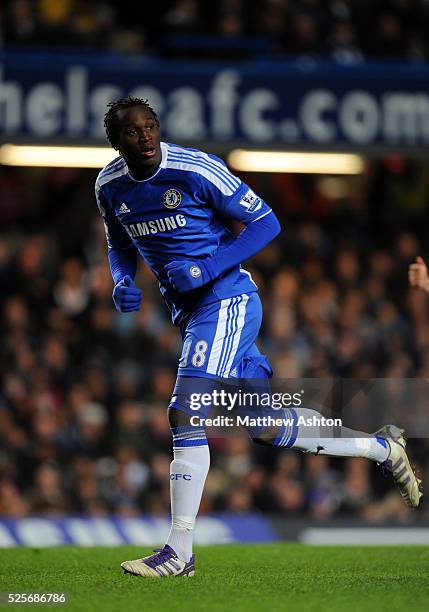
{"x":167,"y":204}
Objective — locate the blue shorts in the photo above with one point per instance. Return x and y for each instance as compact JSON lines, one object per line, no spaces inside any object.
{"x":219,"y":343}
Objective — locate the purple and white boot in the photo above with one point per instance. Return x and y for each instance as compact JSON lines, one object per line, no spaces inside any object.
{"x":162,"y":564}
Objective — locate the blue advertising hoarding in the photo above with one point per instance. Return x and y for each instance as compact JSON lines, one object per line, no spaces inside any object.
{"x":149,"y":531}
{"x":139,"y":531}
{"x":318,"y":105}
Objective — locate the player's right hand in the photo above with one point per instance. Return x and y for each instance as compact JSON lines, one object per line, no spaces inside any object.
{"x":418,"y":274}
{"x":126,"y":295}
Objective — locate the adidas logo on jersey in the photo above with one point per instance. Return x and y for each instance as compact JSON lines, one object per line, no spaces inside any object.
{"x":124,"y":208}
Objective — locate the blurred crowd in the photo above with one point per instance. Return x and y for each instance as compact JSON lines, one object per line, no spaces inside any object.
{"x":347,"y":31}
{"x":84,"y":389}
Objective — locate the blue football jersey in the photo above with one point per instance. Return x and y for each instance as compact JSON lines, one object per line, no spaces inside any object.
{"x":179,"y":214}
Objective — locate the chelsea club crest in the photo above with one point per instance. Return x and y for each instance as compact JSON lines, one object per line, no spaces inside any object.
{"x":172,"y":198}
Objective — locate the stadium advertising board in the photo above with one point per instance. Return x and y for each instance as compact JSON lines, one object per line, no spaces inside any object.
{"x":138,"y":531}
{"x":283,"y":104}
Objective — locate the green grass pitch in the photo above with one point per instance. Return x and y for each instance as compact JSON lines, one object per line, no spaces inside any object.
{"x":229,"y":578}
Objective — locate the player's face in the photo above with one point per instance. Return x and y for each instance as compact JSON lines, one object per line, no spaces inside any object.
{"x":139,"y":139}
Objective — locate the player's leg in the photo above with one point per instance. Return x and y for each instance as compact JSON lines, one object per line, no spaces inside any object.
{"x":208,"y":343}
{"x":212,"y":339}
{"x":302,"y":431}
{"x":386,"y":447}
{"x":188,"y":473}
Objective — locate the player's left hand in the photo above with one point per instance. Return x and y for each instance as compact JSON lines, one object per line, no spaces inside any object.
{"x":187,"y":275}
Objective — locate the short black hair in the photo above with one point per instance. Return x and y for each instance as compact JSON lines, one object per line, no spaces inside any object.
{"x":111,"y":119}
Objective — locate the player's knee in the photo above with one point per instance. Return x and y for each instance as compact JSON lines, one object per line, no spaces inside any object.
{"x":264,"y":439}
{"x":178,"y":418}
{"x":186,"y":437}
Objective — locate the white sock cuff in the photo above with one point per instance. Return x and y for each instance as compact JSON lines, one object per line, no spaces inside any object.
{"x":194,"y":457}
{"x":372,"y":449}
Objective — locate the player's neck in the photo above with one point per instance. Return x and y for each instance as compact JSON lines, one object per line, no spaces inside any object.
{"x":141,"y":172}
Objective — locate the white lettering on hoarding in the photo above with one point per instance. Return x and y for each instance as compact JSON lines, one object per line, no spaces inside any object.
{"x":314,"y":108}
{"x":98,"y":100}
{"x":76,"y":94}
{"x":254,"y":105}
{"x":10,"y":106}
{"x":406,"y":118}
{"x":185,"y":118}
{"x":223,"y":99}
{"x":359,"y":117}
{"x":43,"y":105}
{"x":74,"y":108}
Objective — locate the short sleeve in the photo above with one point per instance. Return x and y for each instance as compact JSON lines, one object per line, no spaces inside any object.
{"x":229,"y":195}
{"x":116,"y":236}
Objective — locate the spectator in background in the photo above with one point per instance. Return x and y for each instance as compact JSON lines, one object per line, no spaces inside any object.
{"x":343,"y":44}
{"x":336,"y":29}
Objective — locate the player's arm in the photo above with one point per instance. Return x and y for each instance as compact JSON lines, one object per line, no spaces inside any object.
{"x":418,"y":274}
{"x":261,"y":227}
{"x":122,"y":256}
